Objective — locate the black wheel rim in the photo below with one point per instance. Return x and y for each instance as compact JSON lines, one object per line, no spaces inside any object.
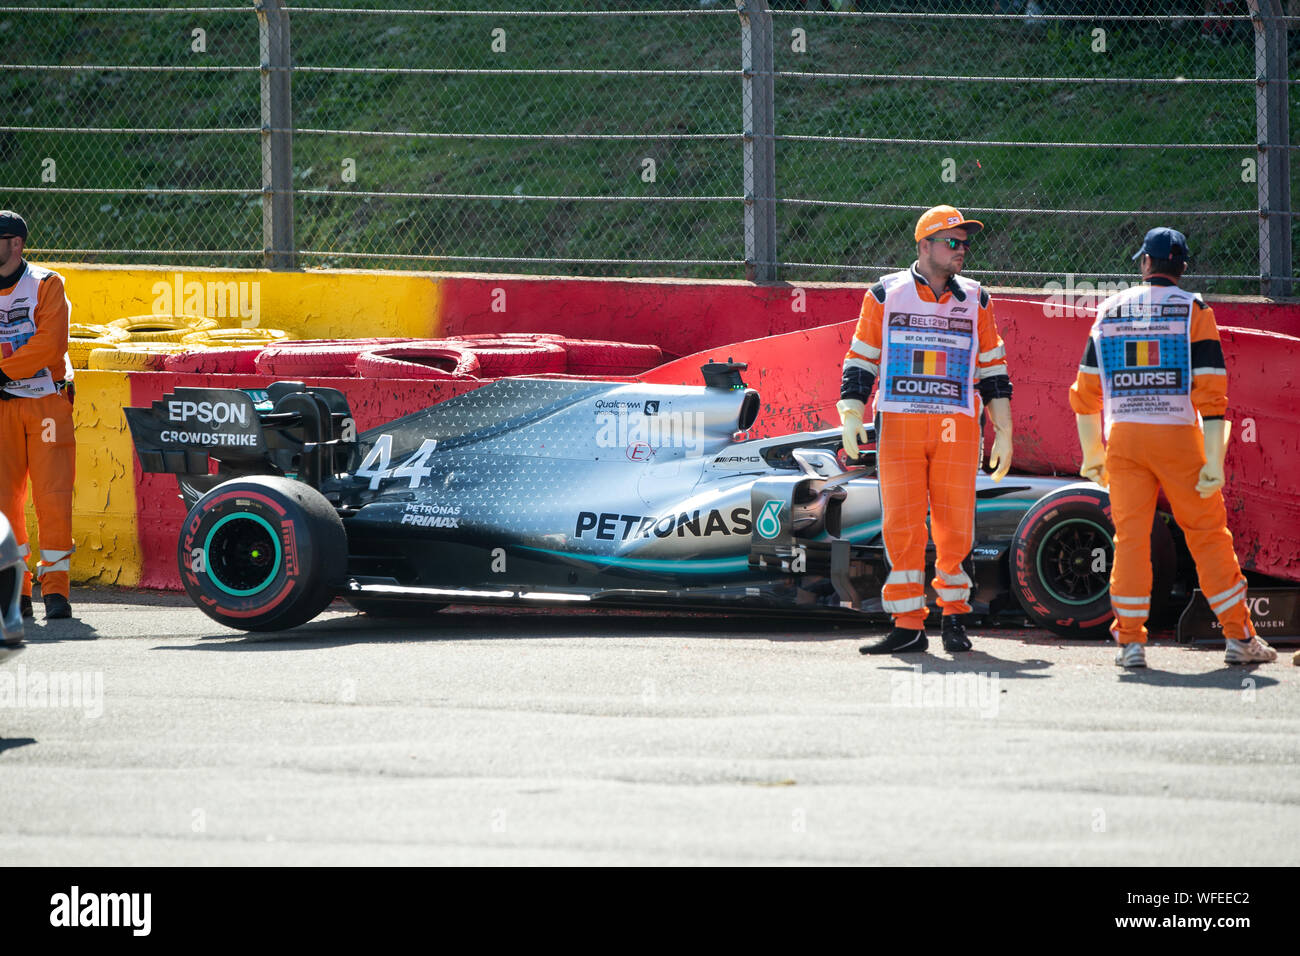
{"x":243,"y":555}
{"x":1067,"y":561}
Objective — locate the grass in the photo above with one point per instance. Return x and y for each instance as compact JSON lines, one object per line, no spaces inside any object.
{"x":357,"y":231}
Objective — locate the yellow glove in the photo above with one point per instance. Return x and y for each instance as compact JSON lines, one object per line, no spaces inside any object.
{"x":1216,"y":448}
{"x":1094,"y":452}
{"x":851,"y":411}
{"x":1000,"y":455}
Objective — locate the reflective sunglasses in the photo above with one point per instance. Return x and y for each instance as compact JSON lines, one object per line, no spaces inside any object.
{"x":953,"y":244}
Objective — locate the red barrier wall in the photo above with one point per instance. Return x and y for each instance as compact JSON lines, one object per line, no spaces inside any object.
{"x":685,"y":317}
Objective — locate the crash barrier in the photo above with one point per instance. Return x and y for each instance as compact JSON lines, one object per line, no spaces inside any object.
{"x":679,"y":316}
{"x":797,"y":371}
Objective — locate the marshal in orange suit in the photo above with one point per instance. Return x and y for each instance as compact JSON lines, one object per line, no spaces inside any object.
{"x":1154,"y":364}
{"x":36,"y":436}
{"x":927,"y":340}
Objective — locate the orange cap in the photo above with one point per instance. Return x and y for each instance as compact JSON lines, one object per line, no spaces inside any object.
{"x":939,"y":218}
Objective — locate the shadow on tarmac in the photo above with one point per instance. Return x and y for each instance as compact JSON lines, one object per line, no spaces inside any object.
{"x":1231,"y":677}
{"x":972,"y":662}
{"x":487,"y":624}
{"x":51,"y":632}
{"x":495,"y":625}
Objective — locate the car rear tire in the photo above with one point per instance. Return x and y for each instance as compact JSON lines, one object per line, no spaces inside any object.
{"x":262,"y":553}
{"x":1055,"y":572}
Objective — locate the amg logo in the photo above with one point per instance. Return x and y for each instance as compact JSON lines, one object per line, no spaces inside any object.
{"x":208,"y":412}
{"x":1155,"y":378}
{"x":927,"y":388}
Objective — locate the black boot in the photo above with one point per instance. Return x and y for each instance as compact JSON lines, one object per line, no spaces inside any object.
{"x":25,"y":605}
{"x":899,"y":641}
{"x":56,"y":607}
{"x":954,"y":634}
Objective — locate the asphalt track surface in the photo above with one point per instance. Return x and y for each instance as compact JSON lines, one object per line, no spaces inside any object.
{"x":483,"y":737}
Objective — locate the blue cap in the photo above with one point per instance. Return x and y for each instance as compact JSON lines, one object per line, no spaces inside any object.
{"x":12,"y":224}
{"x":1164,"y":243}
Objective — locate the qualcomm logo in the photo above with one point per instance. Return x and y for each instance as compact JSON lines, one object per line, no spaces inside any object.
{"x":768,"y":524}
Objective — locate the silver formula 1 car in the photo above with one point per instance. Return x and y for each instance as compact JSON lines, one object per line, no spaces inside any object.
{"x":564,"y":493}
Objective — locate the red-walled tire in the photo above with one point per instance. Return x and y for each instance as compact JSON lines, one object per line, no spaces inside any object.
{"x":221,"y":361}
{"x":317,"y":358}
{"x":502,"y":359}
{"x":594,"y":357}
{"x":262,"y":553}
{"x":508,"y":337}
{"x":1061,"y":581}
{"x":567,"y":377}
{"x":419,"y":361}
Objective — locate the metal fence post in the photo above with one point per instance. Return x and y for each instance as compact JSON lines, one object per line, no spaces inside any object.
{"x":1273,"y":167}
{"x":759,"y":105}
{"x":278,"y":249}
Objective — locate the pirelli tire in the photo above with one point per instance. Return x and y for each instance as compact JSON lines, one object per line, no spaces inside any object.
{"x":1061,"y":557}
{"x":262,"y":553}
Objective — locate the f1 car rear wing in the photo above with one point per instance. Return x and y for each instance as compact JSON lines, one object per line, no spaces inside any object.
{"x":286,"y":429}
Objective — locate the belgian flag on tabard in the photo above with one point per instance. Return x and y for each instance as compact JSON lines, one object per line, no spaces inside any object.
{"x":929,"y":363}
{"x":1142,"y":352}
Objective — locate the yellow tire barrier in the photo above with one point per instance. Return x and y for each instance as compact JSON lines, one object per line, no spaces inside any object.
{"x":136,"y":356}
{"x":84,"y":339}
{"x":163,"y":328}
{"x":235,"y":337}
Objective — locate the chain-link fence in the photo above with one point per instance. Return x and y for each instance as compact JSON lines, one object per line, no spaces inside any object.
{"x":720,"y":139}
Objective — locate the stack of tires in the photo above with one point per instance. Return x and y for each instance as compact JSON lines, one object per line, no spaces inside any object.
{"x":194,"y":344}
{"x":471,"y":358}
{"x":155,"y":343}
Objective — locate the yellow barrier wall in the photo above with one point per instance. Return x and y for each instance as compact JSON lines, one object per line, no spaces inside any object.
{"x":103,"y":504}
{"x":315,"y":305}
